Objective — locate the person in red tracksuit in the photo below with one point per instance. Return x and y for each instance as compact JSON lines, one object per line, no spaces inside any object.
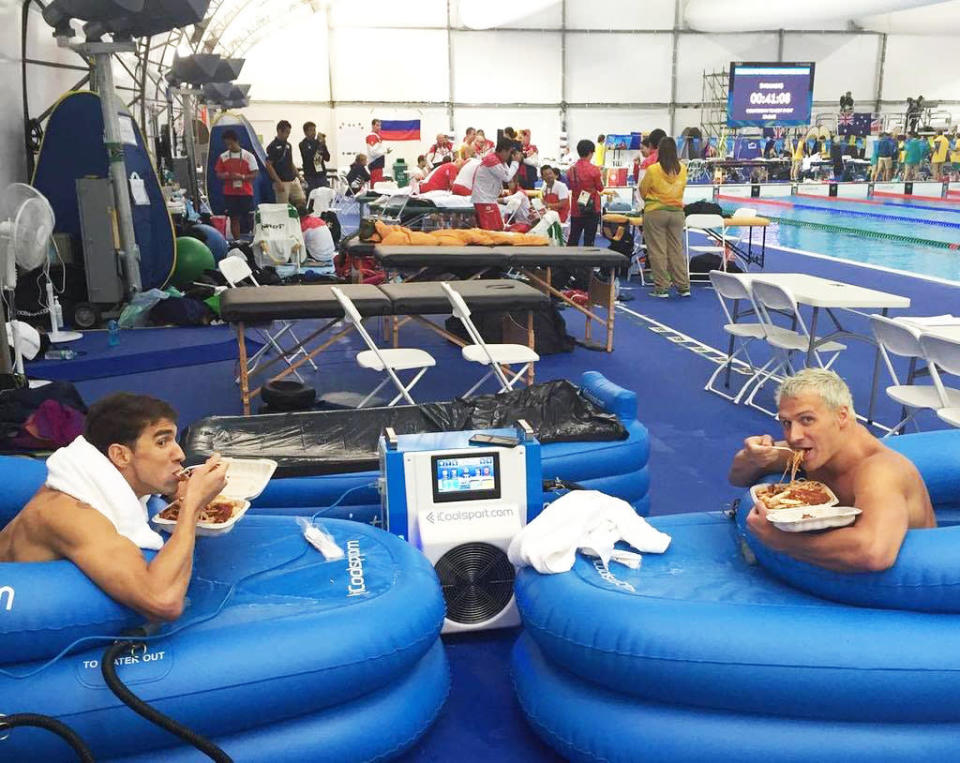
{"x":492,"y":173}
{"x":441,"y":179}
{"x":376,"y":152}
{"x":584,"y":178}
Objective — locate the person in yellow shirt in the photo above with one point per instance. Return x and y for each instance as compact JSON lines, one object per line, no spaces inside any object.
{"x":938,"y":154}
{"x":662,"y":192}
{"x":796,"y":147}
{"x":955,"y":154}
{"x":600,"y":154}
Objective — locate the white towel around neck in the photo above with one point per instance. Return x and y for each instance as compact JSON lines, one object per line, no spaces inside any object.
{"x":587,"y":520}
{"x":83,"y":472}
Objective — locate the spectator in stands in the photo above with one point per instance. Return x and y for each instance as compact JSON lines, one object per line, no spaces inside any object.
{"x":314,"y":155}
{"x":916,"y":150}
{"x":912,"y":115}
{"x":441,"y":151}
{"x":280,"y":168}
{"x":237,"y":168}
{"x":938,"y":154}
{"x":662,"y":190}
{"x":556,"y":195}
{"x":495,"y":169}
{"x":358,"y":176}
{"x":846,"y":103}
{"x":586,"y":184}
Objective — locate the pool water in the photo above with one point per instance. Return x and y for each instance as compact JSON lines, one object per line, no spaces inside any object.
{"x":928,"y":232}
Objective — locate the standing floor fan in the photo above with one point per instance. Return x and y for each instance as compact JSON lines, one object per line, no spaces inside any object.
{"x":26,"y":227}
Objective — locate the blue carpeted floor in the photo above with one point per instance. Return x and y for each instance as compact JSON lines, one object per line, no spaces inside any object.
{"x":694,"y":434}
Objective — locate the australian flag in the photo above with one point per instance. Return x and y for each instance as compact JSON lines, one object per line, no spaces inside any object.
{"x":856,"y":123}
{"x":400,"y":129}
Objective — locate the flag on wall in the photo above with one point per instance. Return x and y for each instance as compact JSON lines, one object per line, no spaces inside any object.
{"x":400,"y":129}
{"x":857,"y":123}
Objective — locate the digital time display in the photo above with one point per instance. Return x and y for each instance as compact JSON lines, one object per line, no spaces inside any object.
{"x":770,"y":95}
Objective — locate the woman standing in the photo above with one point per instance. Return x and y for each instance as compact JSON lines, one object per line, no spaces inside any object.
{"x":662,"y":192}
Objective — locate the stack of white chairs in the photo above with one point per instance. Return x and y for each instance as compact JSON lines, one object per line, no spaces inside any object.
{"x":387,"y":361}
{"x":898,"y":338}
{"x":768,"y":300}
{"x":235,"y":270}
{"x":705,"y":224}
{"x":494,"y":356}
{"x":943,"y":355}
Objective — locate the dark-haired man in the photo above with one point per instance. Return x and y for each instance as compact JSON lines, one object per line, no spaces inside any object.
{"x":286,"y":185}
{"x":314,"y":155}
{"x":495,"y":169}
{"x":237,"y":168}
{"x":128,"y":452}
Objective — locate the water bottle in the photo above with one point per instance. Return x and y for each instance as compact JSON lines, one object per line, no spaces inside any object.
{"x":66,"y":354}
{"x":113,"y":333}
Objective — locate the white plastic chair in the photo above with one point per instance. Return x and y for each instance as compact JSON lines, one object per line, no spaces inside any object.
{"x":770,"y":298}
{"x":492,"y":355}
{"x":705,"y":224}
{"x":741,"y":212}
{"x":387,"y":361}
{"x":235,"y":270}
{"x":730,"y":287}
{"x":943,"y":354}
{"x":897,"y":338}
{"x":277,"y":238}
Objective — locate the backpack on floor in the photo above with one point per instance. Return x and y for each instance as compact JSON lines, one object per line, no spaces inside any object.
{"x":704,"y":263}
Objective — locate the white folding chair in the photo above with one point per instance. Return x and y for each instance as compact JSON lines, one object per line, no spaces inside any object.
{"x":707,"y":225}
{"x":730,"y":287}
{"x":898,"y":338}
{"x":492,"y":355}
{"x":743,"y":213}
{"x":235,"y":270}
{"x":770,"y":299}
{"x":387,"y":361}
{"x":943,"y":354}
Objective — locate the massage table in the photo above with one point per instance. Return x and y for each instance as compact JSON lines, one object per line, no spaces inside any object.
{"x":534,"y":262}
{"x":249,"y":305}
{"x":449,"y":210}
{"x":747,"y":255}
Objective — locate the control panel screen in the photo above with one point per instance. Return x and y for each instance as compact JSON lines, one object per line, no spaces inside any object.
{"x":466,"y":477}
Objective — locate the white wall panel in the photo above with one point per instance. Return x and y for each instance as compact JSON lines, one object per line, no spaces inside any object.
{"x":432,"y":121}
{"x":589,"y":122}
{"x":702,"y":52}
{"x":843,"y":62}
{"x":544,"y":125}
{"x":506,"y":67}
{"x":620,"y":14}
{"x":550,"y":17}
{"x":607,"y":68}
{"x":270,"y":74}
{"x":389,"y":13}
{"x":264,"y":117}
{"x":413,"y":66}
{"x":924,"y":66}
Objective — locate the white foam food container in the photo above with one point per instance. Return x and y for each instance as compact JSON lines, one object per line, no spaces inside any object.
{"x":246,"y":479}
{"x":809,"y":518}
{"x":832,"y":502}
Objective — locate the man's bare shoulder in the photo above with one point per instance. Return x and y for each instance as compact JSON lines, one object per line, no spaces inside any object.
{"x":887,"y":467}
{"x":55,"y":515}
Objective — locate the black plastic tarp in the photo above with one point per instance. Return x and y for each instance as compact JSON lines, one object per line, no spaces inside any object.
{"x":332,"y":442}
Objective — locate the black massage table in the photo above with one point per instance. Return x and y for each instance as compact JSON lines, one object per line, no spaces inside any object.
{"x":535,"y":262}
{"x":251,"y":305}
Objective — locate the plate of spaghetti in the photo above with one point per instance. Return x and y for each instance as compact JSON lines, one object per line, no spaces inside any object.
{"x":216,"y":518}
{"x":798,"y":492}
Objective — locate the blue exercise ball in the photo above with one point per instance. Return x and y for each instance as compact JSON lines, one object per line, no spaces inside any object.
{"x":214,"y":240}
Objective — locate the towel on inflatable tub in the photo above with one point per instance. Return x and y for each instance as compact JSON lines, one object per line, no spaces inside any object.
{"x":82,"y":471}
{"x":587,"y":520}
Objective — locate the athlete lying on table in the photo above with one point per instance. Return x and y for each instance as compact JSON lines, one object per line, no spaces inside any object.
{"x":816,"y":410}
{"x":128,"y":451}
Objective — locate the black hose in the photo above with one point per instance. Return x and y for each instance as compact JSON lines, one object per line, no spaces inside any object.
{"x":50,"y":724}
{"x":141,"y":708}
{"x":556,"y":485}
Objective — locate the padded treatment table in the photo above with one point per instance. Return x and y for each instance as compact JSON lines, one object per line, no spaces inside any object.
{"x":242,"y":306}
{"x":535,"y":262}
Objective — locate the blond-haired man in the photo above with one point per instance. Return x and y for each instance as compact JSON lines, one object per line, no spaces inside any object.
{"x":816,"y":411}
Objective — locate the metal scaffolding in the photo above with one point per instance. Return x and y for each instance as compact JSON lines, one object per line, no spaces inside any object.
{"x":713,"y":105}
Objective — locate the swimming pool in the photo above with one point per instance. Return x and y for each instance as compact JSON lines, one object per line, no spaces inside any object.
{"x":921,"y":237}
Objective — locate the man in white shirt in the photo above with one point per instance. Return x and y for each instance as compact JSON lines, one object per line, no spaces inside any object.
{"x":441,"y":151}
{"x":463,"y":183}
{"x":495,"y":169}
{"x":376,"y":153}
{"x":556,"y":195}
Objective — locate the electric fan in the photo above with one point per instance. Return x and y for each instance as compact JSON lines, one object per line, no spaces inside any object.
{"x":26,"y":226}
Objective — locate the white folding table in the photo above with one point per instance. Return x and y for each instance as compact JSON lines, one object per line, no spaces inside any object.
{"x":830,"y":296}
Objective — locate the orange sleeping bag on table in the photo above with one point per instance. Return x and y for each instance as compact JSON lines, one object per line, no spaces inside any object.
{"x":397,"y":235}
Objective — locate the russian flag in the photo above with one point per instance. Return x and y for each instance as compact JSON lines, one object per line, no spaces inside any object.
{"x":400,"y":129}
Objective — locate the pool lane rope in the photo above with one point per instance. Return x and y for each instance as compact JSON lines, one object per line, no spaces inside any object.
{"x":868,"y":233}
